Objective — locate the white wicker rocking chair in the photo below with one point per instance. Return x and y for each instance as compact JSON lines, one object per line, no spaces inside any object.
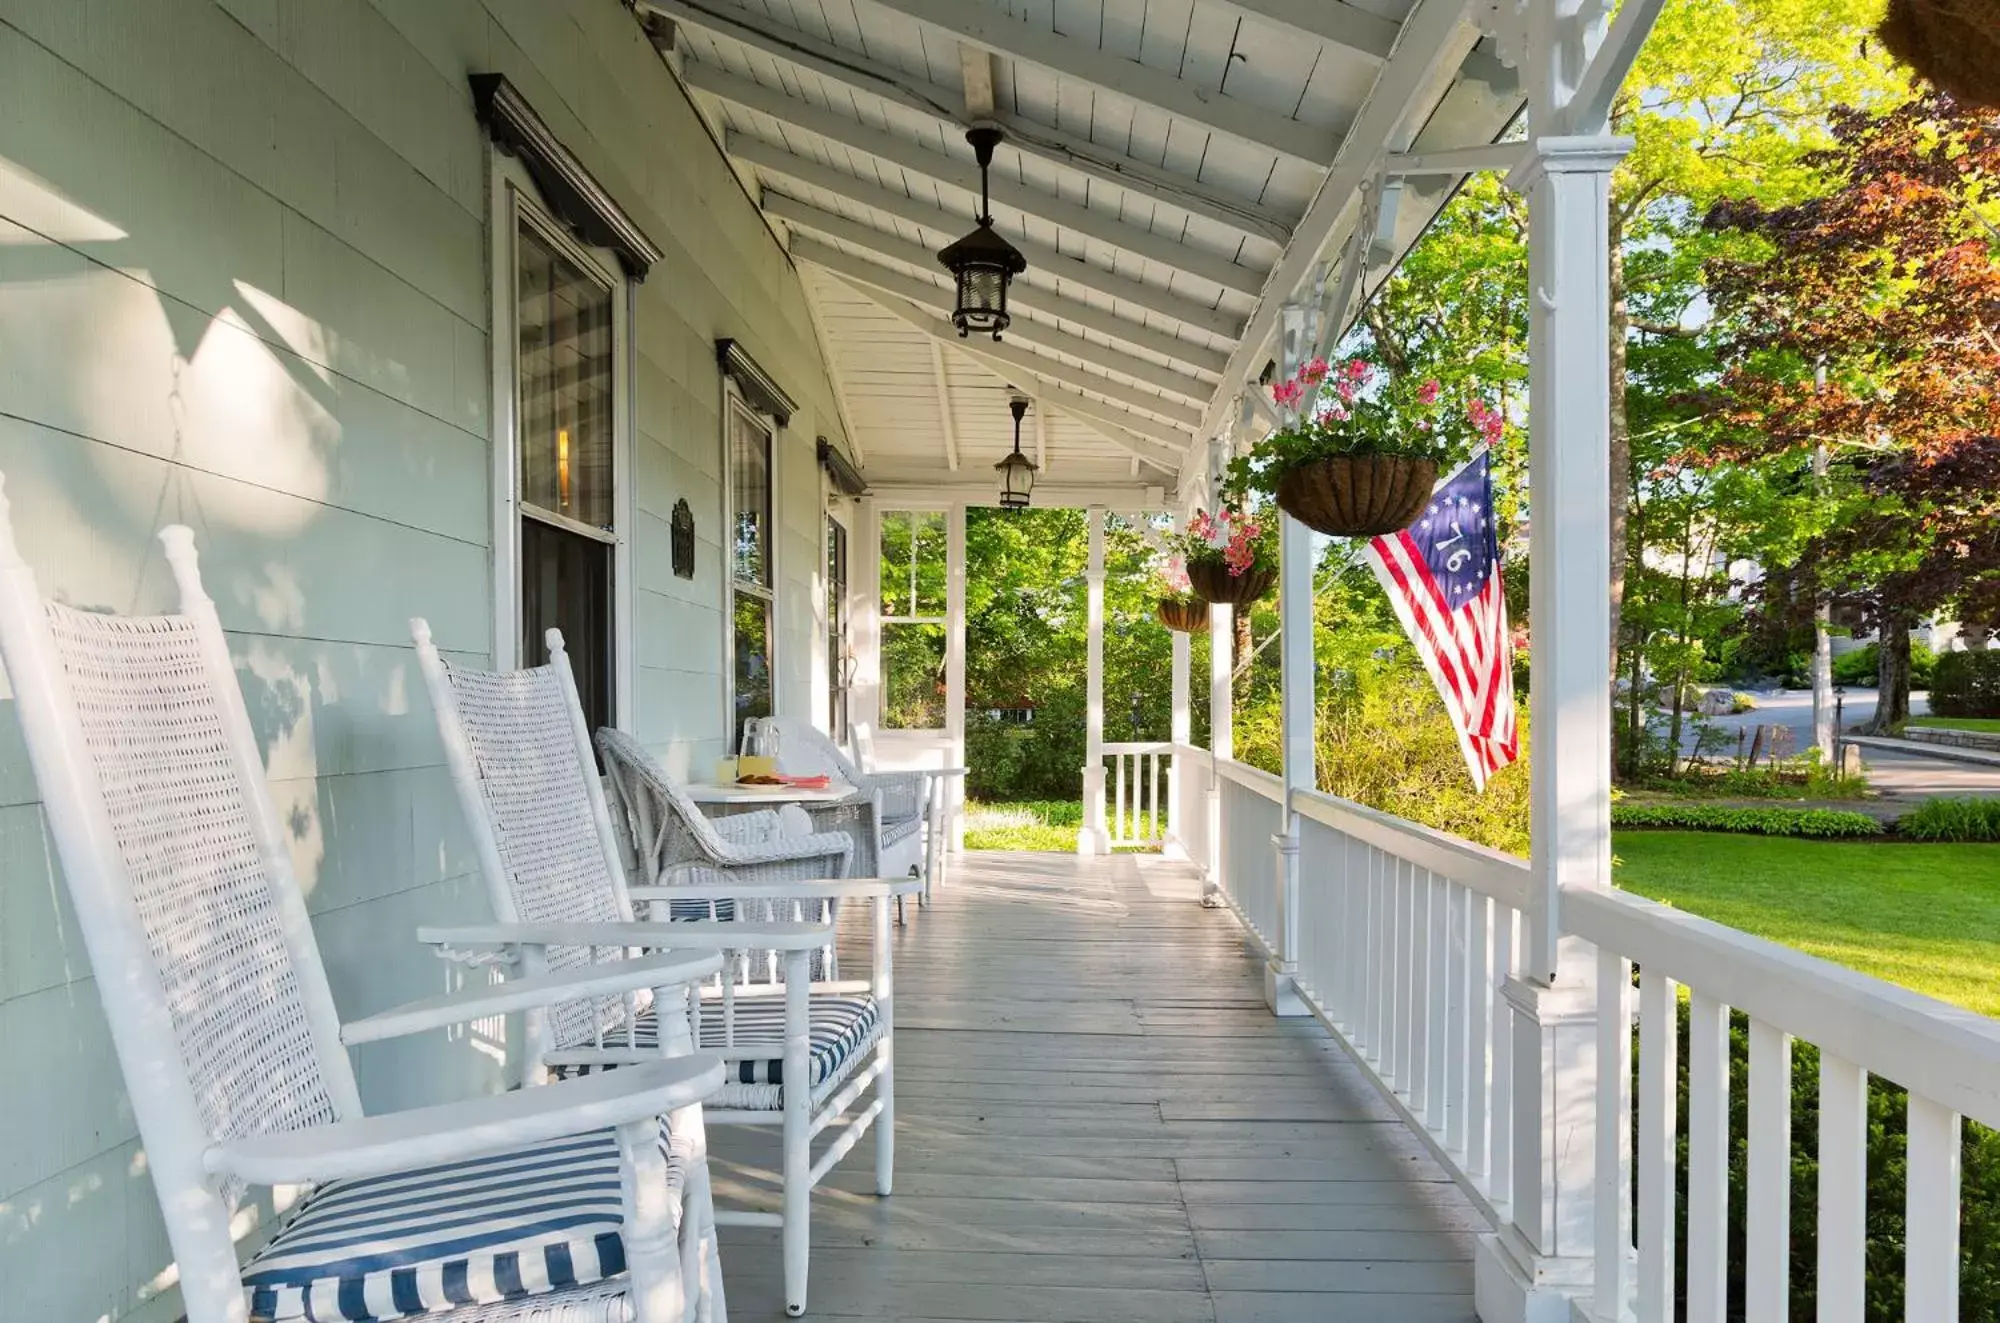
{"x":552,"y":857}
{"x":233,"y":1054}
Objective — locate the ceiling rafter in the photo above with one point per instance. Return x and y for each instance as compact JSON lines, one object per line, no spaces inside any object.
{"x":964,"y":177}
{"x":1216,"y":111}
{"x":944,"y":407}
{"x":1269,"y":226}
{"x":1436,"y":36}
{"x":1042,"y":262}
{"x":1358,"y":30}
{"x":1155,"y":442}
{"x":1023,"y":332}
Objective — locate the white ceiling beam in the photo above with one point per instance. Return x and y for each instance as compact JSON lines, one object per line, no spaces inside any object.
{"x":976,"y":72}
{"x":1022,"y":295}
{"x":926,"y":294}
{"x":963,"y":176}
{"x":1457,"y":160}
{"x":1268,"y":226}
{"x":1139,"y":499}
{"x":1129,"y":400}
{"x":1154,"y":441}
{"x":944,"y":407}
{"x":1435,"y":38}
{"x":1043,"y":263}
{"x":840,"y":405}
{"x":1220,"y":113}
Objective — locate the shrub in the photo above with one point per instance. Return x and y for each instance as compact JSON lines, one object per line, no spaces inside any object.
{"x":1863,"y":666}
{"x":1952,"y":820}
{"x":1967,"y":684}
{"x":1821,"y":823}
{"x":1888,"y":1112}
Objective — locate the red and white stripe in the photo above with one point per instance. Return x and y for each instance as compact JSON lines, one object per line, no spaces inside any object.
{"x":1467,"y":651}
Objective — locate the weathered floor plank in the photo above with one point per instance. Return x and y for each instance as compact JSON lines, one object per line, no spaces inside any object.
{"x":1097,"y":1122}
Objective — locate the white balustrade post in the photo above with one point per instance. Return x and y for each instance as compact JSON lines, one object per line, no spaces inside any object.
{"x":1221,"y":736}
{"x":1542,"y":1257}
{"x":1095,"y":837}
{"x":954,"y":672}
{"x":1180,"y":812}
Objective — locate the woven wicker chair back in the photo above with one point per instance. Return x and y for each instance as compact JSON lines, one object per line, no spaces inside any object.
{"x":536,"y":785}
{"x":155,"y":729}
{"x":667,"y":827}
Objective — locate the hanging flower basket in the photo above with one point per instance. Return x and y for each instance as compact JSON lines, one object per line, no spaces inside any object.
{"x":1357,"y":495}
{"x":1954,"y":43}
{"x":1183,"y":615}
{"x":1214,"y":583}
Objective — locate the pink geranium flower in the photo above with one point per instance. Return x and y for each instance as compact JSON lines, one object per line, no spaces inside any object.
{"x":1428,"y":392}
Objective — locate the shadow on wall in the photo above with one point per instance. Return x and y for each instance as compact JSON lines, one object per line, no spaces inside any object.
{"x":334,"y":492}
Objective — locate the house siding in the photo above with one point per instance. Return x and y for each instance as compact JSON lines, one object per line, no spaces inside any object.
{"x":244,"y":264}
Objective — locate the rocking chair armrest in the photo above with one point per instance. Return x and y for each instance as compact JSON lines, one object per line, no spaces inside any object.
{"x":476,"y":1003}
{"x":853,"y":888}
{"x":476,"y":1127}
{"x":684,"y":935}
{"x":746,"y":828}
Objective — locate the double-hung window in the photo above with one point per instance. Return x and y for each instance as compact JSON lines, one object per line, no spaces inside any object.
{"x":567,"y":322}
{"x":914,"y":629}
{"x":752,"y":585}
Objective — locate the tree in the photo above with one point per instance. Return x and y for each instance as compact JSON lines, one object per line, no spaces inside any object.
{"x":1868,"y":320}
{"x":1729,"y":98}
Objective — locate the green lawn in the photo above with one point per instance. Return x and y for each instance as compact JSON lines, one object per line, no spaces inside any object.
{"x":1048,"y":825}
{"x":1989,"y":725}
{"x":1925,"y":916}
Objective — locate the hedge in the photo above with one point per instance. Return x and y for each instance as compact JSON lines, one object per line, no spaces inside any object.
{"x":1822,"y":823}
{"x":1966,"y":684}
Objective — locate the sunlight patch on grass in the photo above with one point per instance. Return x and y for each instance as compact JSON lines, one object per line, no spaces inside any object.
{"x":1984,"y":725}
{"x":1924,"y":916}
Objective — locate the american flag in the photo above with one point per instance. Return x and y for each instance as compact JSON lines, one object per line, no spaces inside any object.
{"x":1443,"y":575}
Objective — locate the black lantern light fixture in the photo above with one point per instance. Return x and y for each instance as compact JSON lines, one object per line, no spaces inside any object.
{"x":1017,"y":471}
{"x":982,"y":262}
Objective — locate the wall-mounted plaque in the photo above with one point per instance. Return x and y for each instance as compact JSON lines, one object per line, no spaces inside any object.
{"x":683,"y":540}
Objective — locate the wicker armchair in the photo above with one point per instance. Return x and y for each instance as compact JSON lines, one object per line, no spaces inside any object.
{"x":234,"y":1056}
{"x":800,"y":1053}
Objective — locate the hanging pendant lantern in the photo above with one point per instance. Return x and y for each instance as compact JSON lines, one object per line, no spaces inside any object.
{"x":1017,"y":471}
{"x":982,"y":263}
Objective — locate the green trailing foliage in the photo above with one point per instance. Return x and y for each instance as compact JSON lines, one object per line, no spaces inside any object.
{"x":1979,"y":1230}
{"x":1952,"y":820}
{"x":1825,"y":824}
{"x":1966,"y":684}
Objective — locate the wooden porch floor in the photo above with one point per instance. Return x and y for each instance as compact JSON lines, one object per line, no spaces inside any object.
{"x":1099,"y":1122}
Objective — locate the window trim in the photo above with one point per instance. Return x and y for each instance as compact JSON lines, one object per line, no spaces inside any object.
{"x":884,"y":620}
{"x":733,"y":403}
{"x":515,"y":201}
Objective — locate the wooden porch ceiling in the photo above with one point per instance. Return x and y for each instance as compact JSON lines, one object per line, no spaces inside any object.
{"x":1174,"y":170}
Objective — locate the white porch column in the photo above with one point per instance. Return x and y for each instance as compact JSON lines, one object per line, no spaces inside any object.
{"x":954,"y":671}
{"x":1221,"y":737}
{"x":1181,"y":733}
{"x":1542,"y":1258}
{"x":1296,"y":688}
{"x":1095,"y":838}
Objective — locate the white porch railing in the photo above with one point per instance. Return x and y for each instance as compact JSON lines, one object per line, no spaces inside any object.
{"x":1138,"y":788}
{"x":1403,"y":941}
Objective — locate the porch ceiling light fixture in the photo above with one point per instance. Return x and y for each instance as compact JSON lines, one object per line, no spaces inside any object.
{"x":982,"y":263}
{"x":1017,"y":471}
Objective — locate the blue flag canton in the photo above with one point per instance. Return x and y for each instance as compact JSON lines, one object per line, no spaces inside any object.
{"x":1455,"y":533}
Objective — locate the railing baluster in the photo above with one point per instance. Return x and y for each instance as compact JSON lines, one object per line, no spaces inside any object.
{"x":1154,"y":834}
{"x":1500,"y":1097}
{"x":1438,"y":1004}
{"x":1118,"y":822}
{"x":1478,"y":1023}
{"x":1614,"y":1129}
{"x":1843,"y":1189}
{"x":1416,"y":980}
{"x":1354,"y":937}
{"x":1659,"y":1032}
{"x":1767,"y":1214}
{"x":1930,"y":1216}
{"x":1455,"y":1055}
{"x":1708,"y":1159}
{"x":1372,"y":954}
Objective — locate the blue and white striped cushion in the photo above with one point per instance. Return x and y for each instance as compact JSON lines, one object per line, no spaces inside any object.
{"x":843,"y":1024}
{"x":525,"y":1223}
